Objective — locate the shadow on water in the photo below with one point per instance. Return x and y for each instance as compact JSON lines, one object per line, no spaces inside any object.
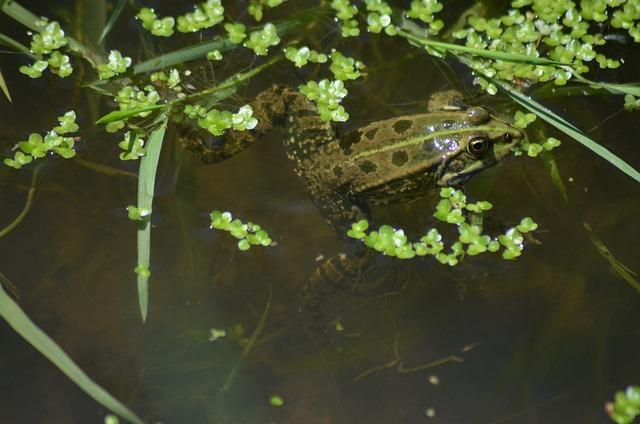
{"x":543,"y":339}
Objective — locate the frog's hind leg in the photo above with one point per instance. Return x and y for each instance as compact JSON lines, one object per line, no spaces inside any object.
{"x":268,"y":108}
{"x":339,"y":275}
{"x":336,"y":281}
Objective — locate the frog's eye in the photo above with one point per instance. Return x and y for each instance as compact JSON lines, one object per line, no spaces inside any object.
{"x":478,"y":146}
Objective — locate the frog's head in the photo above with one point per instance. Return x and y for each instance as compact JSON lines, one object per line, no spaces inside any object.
{"x":484,"y":142}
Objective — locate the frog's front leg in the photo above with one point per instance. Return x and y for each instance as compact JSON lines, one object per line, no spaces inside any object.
{"x":268,"y":108}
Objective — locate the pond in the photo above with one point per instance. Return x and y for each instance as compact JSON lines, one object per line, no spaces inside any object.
{"x":546,"y":338}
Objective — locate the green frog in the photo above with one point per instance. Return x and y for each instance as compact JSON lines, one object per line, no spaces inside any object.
{"x":393,"y":160}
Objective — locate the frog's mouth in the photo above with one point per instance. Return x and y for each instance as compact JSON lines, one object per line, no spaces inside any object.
{"x":456,"y":171}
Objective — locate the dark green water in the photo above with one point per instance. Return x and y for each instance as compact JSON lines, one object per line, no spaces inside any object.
{"x":547,"y":338}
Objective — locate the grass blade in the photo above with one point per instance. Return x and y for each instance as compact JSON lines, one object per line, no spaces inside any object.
{"x":3,"y":86}
{"x":489,"y":54}
{"x":119,"y":115}
{"x":200,"y":50}
{"x":146,"y":186}
{"x":627,"y":274}
{"x":569,"y":129}
{"x":17,"y":46}
{"x":117,"y":11}
{"x":633,"y":89}
{"x":28,"y":330}
{"x":186,"y":54}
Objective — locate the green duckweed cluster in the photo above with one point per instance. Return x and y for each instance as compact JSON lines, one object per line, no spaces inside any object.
{"x":135,"y":213}
{"x":303,"y":55}
{"x":49,"y":41}
{"x":345,"y":68}
{"x":217,"y":121}
{"x":327,"y":95}
{"x":452,"y":209}
{"x":276,"y":401}
{"x":171,"y":81}
{"x":133,"y":98}
{"x":625,"y":406}
{"x":346,"y":13}
{"x":54,"y":141}
{"x":379,"y":17}
{"x":260,"y":40}
{"x":631,"y":102}
{"x":425,"y":11}
{"x":116,"y":65}
{"x":132,"y":146}
{"x":237,"y":32}
{"x":248,"y":234}
{"x":561,"y":30}
{"x":256,"y":7}
{"x":522,"y":121}
{"x":205,"y":15}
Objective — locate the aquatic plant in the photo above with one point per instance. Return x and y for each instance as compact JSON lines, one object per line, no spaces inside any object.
{"x":452,"y":209}
{"x":37,"y":146}
{"x":530,"y":44}
{"x":625,"y":406}
{"x":48,"y":42}
{"x":248,"y":234}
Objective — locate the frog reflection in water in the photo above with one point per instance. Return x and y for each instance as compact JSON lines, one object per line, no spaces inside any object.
{"x":394,"y":160}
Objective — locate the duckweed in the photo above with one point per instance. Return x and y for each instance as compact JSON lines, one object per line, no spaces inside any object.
{"x":37,"y":146}
{"x":35,"y":69}
{"x":425,"y":10}
{"x":471,"y":240}
{"x":303,"y":55}
{"x":162,"y":27}
{"x":218,"y":121}
{"x":205,"y":15}
{"x":51,"y":38}
{"x":522,"y":120}
{"x":248,"y":234}
{"x":379,"y":17}
{"x":625,"y":406}
{"x":214,"y":55}
{"x":47,"y":42}
{"x":276,"y":401}
{"x":327,"y":95}
{"x":345,"y":68}
{"x":135,"y":213}
{"x":560,"y":30}
{"x":116,"y":65}
{"x":260,"y":40}
{"x":345,"y":13}
{"x":237,"y":32}
{"x":132,"y":146}
{"x":256,"y":7}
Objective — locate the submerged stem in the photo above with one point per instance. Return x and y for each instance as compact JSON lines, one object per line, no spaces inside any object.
{"x":27,"y":206}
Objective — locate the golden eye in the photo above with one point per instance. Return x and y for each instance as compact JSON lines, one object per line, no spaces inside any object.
{"x":478,"y":146}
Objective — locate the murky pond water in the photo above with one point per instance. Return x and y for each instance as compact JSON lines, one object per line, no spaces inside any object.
{"x":547,"y":338}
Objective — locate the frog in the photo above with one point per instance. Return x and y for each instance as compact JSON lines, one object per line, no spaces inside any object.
{"x":393,"y":160}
